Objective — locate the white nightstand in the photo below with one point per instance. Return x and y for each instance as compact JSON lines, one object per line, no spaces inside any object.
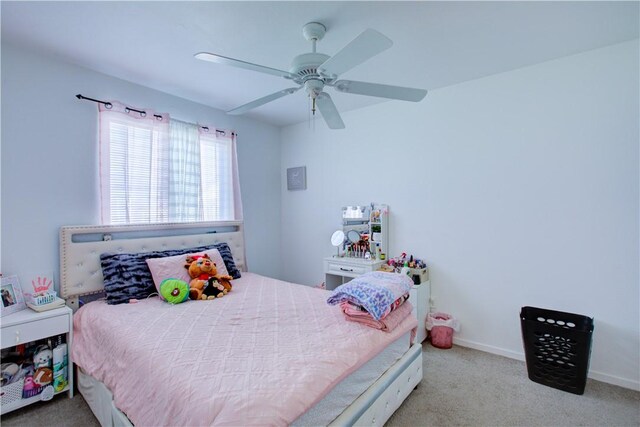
{"x":339,"y":270}
{"x":28,"y":325}
{"x":419,"y":297}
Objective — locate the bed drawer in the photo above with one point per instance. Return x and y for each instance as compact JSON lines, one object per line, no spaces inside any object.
{"x":379,"y":402}
{"x":35,"y":330}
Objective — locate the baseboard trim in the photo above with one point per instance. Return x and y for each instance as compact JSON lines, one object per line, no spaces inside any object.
{"x":489,"y":349}
{"x":596,"y":375}
{"x":612,"y":379}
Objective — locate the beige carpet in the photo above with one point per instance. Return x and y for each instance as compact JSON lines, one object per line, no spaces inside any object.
{"x":464,"y":387}
{"x":461,"y":387}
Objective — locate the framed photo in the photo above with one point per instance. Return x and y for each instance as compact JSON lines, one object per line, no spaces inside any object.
{"x":297,"y":178}
{"x":12,"y":298}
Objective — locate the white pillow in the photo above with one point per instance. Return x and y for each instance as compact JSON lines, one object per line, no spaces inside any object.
{"x":172,"y":267}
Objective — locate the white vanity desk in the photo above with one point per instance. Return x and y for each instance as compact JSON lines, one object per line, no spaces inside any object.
{"x":339,"y":270}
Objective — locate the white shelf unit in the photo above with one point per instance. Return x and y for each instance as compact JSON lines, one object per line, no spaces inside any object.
{"x":27,"y":326}
{"x":379,"y":229}
{"x":419,"y":297}
{"x":371,"y":220}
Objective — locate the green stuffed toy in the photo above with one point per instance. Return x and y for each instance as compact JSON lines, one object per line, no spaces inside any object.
{"x":174,"y":291}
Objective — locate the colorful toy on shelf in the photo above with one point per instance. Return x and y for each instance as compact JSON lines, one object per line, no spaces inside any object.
{"x":42,"y":357}
{"x":43,"y":376}
{"x":9,"y":373}
{"x":402,"y":261}
{"x":29,"y":386}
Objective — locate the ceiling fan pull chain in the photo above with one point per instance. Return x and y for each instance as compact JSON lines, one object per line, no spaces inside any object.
{"x":308,"y":111}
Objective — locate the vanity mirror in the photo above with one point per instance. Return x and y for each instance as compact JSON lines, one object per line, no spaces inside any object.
{"x":336,"y":239}
{"x":353,"y":236}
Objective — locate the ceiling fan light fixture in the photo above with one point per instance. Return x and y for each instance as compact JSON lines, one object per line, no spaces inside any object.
{"x":314,"y":87}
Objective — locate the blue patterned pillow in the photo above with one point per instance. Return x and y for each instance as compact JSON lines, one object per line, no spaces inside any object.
{"x":127,"y":275}
{"x":227,"y":257}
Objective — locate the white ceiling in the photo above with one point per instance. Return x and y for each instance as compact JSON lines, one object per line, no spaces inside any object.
{"x":436,"y":44}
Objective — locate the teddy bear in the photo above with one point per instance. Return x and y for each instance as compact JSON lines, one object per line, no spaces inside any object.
{"x":205,"y":282}
{"x":200,"y":268}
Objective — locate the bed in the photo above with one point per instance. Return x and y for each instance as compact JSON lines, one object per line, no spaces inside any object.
{"x":310,"y":379}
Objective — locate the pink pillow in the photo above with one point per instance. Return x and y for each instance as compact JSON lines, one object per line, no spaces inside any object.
{"x":172,"y":267}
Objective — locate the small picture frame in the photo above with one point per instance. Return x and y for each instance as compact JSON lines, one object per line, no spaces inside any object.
{"x":12,"y":298}
{"x":297,"y":178}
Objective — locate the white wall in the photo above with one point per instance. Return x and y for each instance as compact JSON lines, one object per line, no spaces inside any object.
{"x":518,"y":189}
{"x":49,"y":159}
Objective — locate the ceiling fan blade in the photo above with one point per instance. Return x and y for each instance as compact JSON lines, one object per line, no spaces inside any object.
{"x":363,"y":47}
{"x":258,"y":102}
{"x":212,"y":57}
{"x":329,"y":111}
{"x":382,"y":91}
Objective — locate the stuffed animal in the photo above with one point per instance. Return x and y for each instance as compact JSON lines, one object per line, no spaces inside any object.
{"x":214,"y":289}
{"x":9,"y":371}
{"x":42,"y":357}
{"x":174,"y":291}
{"x":200,"y":268}
{"x":205,"y":282}
{"x":43,"y":376}
{"x":225,"y":281}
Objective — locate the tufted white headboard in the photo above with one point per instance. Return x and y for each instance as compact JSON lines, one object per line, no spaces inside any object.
{"x":81,"y":246}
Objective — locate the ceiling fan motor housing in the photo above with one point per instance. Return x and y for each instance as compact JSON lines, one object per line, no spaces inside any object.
{"x":305,"y":66}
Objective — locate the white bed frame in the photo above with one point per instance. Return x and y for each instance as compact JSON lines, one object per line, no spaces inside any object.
{"x":81,"y":275}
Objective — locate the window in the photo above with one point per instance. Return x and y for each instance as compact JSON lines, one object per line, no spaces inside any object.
{"x":154,"y":169}
{"x":217,"y":176}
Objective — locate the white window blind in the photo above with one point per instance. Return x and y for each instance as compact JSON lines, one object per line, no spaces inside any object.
{"x":161,"y":170}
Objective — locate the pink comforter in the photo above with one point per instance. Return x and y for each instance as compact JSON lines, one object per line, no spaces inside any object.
{"x":262,"y":355}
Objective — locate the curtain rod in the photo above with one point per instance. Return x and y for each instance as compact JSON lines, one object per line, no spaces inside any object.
{"x":142,"y":113}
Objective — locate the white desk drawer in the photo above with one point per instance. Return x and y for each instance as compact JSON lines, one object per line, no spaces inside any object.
{"x":35,"y":330}
{"x":346,"y":269}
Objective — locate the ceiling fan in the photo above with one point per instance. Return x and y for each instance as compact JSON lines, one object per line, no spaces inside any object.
{"x":316,"y":70}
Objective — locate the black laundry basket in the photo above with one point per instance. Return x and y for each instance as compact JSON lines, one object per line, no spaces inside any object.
{"x":557,"y":347}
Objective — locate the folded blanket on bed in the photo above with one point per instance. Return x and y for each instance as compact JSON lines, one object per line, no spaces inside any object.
{"x":397,"y":303}
{"x":374,"y":291}
{"x":387,"y":324}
